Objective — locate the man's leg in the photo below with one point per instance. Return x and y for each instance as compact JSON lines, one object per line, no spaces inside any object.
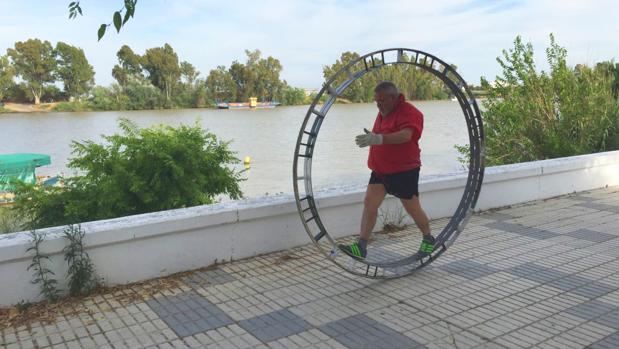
{"x":413,"y":208}
{"x":374,"y":196}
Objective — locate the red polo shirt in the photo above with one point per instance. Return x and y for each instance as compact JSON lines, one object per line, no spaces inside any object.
{"x":392,"y":158}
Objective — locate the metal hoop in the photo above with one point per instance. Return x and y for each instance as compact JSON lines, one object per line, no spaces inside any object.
{"x":308,"y":134}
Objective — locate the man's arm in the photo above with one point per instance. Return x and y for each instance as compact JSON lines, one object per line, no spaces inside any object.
{"x":370,"y":138}
{"x":399,"y":137}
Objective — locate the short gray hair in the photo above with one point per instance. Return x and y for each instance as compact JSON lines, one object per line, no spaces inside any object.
{"x":387,"y":86}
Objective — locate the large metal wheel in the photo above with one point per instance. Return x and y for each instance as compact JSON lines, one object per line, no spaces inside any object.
{"x":306,"y":141}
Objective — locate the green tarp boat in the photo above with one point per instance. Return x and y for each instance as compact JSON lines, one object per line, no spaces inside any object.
{"x":20,"y":166}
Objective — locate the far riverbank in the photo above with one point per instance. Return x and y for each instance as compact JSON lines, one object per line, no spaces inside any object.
{"x":82,"y":107}
{"x":28,"y":108}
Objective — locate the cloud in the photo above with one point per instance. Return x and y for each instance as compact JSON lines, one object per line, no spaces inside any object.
{"x":305,"y":35}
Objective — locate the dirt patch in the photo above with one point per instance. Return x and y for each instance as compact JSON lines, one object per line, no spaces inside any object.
{"x":47,"y":312}
{"x":29,"y":108}
{"x":392,"y":228}
{"x":283,"y":258}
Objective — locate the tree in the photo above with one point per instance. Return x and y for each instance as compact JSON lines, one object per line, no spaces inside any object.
{"x":220,"y":85}
{"x":261,"y":76}
{"x":35,"y":63}
{"x":237,"y":72}
{"x":189,"y":73}
{"x":531,"y":115}
{"x":120,"y":75}
{"x":129,"y":60}
{"x":130,"y":65}
{"x":74,"y":70}
{"x":258,"y":77}
{"x":163,"y":69}
{"x":611,"y":70}
{"x":136,"y":171}
{"x":413,"y":82}
{"x":186,"y":94}
{"x":6,"y":76}
{"x":267,"y":84}
{"x":354,"y":92}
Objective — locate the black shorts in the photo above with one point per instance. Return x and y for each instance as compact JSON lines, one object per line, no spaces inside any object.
{"x":402,"y":185}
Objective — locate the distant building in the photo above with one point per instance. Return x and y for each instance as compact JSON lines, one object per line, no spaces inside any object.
{"x":309,"y":91}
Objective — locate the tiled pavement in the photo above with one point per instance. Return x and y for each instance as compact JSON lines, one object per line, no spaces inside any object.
{"x":543,"y":275}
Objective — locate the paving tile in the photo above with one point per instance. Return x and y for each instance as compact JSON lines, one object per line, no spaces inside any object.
{"x":189,"y":313}
{"x":497,"y":216}
{"x":273,"y":326}
{"x":591,"y":235}
{"x":591,"y":310}
{"x":610,"y":319}
{"x":567,"y":282}
{"x":360,"y":331}
{"x":468,"y":269}
{"x":600,"y":206}
{"x":384,"y":254}
{"x":522,"y":230}
{"x":582,"y":197}
{"x":609,"y":342}
{"x":208,"y":278}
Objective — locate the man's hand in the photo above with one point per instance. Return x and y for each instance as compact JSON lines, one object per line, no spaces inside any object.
{"x":368,"y":138}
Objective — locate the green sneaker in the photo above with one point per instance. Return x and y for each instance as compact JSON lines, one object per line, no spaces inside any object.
{"x":427,"y":246}
{"x":354,"y":250}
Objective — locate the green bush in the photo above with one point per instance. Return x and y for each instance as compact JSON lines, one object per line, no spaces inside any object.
{"x":533,"y":116}
{"x":141,"y":96}
{"x":138,"y":171}
{"x":17,"y":93}
{"x":51,"y":93}
{"x":103,"y":98}
{"x":9,"y":220}
{"x":293,"y":96}
{"x":137,"y":95}
{"x":72,"y":106}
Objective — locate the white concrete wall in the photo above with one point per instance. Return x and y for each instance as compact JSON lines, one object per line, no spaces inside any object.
{"x":151,"y":245}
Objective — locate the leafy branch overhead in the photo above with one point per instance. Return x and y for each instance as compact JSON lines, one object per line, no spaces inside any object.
{"x":119,"y":18}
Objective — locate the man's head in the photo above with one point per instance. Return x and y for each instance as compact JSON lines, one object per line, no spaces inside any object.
{"x":386,"y":96}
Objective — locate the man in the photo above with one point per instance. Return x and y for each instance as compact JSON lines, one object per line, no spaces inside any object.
{"x":395,"y":161}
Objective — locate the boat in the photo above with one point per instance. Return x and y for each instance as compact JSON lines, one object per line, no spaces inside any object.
{"x":253,"y":103}
{"x":21,"y":166}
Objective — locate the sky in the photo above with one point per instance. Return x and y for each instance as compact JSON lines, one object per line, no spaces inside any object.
{"x":306,"y":35}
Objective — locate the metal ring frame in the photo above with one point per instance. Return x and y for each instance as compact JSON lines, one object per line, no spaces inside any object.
{"x":306,"y":142}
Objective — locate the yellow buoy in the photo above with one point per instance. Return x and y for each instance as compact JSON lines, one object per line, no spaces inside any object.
{"x":253,"y":102}
{"x":247,"y":161}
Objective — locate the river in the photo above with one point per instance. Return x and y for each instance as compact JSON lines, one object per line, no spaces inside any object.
{"x":268,"y":136}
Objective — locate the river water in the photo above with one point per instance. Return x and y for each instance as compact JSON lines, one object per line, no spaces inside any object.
{"x":268,"y":136}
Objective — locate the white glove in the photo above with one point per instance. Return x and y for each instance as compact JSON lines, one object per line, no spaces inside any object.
{"x":368,"y":138}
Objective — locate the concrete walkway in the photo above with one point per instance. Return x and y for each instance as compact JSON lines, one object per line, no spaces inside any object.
{"x":543,"y":275}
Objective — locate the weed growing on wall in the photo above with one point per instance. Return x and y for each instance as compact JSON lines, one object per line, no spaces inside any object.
{"x":81,"y":273}
{"x":392,"y":219}
{"x":82,"y":279}
{"x":42,"y":275}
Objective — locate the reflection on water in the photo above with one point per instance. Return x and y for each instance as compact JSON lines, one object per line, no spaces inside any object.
{"x":268,"y":136}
